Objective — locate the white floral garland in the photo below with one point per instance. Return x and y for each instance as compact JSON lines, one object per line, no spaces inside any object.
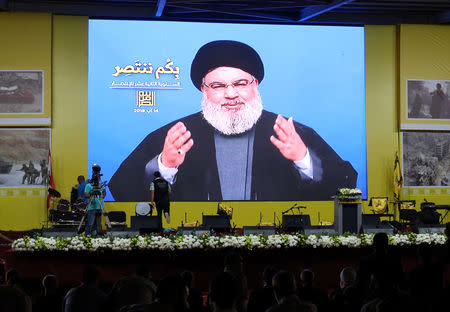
{"x":349,"y":192}
{"x":208,"y":241}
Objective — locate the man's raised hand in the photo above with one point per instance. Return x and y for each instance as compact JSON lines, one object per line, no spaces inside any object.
{"x":289,"y":143}
{"x":177,"y":143}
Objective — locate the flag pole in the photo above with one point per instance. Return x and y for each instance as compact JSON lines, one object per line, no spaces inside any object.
{"x":398,"y":182}
{"x":49,"y":182}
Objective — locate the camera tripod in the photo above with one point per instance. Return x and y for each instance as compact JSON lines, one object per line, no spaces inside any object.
{"x":103,"y":211}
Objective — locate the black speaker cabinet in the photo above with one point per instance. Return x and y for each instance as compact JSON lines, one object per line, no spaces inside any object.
{"x":295,"y":223}
{"x":146,"y":223}
{"x":217,"y":223}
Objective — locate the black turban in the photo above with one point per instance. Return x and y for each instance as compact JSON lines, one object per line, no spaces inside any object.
{"x":225,"y":53}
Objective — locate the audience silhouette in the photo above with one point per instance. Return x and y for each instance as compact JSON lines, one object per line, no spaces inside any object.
{"x":86,"y":297}
{"x":263,"y":298}
{"x":379,"y":284}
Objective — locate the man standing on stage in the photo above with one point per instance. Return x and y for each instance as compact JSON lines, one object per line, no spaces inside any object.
{"x":81,"y":187}
{"x":233,"y":149}
{"x":159,"y":196}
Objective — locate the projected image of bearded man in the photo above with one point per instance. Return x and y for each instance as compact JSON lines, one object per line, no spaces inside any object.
{"x":233,"y":149}
{"x":234,"y":109}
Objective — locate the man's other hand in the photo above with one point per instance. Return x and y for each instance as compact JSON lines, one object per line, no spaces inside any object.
{"x":178,"y":142}
{"x":289,"y":143}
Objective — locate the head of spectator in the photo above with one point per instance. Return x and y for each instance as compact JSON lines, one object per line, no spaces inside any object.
{"x":381,"y":242}
{"x":307,"y":278}
{"x":223,"y":292}
{"x":91,"y":277}
{"x":80,"y":179}
{"x":172,"y":291}
{"x":13,"y":277}
{"x":132,"y":290}
{"x":233,"y":262}
{"x":425,"y":253}
{"x":188,"y":278}
{"x":50,"y":284}
{"x":143,"y":271}
{"x":268,"y":274}
{"x":284,"y":285}
{"x":347,"y":277}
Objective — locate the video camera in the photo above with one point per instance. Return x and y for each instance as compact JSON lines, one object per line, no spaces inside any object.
{"x":95,"y":180}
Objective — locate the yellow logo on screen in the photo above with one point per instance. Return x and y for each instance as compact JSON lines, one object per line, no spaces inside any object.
{"x":145,"y":98}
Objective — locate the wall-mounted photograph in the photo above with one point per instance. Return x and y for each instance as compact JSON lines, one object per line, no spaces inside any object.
{"x":426,"y":159}
{"x":21,"y":92}
{"x":428,"y":99}
{"x":24,"y":157}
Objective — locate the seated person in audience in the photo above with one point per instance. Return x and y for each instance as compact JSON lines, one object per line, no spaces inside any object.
{"x":144,"y":271}
{"x":234,"y":265}
{"x":13,"y":299}
{"x":285,"y":290}
{"x":171,"y":296}
{"x":50,"y":300}
{"x":381,"y":260}
{"x":195,"y":297}
{"x":386,"y":295}
{"x":14,"y":280}
{"x":263,"y":298}
{"x":427,"y":281}
{"x":131,"y":290}
{"x":348,"y":296}
{"x":86,"y":297}
{"x":308,"y":293}
{"x":223,"y":293}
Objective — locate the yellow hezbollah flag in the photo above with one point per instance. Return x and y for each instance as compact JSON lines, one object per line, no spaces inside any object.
{"x":398,"y":179}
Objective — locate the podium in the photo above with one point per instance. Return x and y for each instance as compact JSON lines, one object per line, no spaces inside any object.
{"x":347,"y":215}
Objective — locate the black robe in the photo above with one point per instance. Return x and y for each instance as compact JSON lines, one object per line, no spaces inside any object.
{"x":274,"y":178}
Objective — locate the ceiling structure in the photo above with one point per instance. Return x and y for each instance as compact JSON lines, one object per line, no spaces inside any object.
{"x":328,"y":12}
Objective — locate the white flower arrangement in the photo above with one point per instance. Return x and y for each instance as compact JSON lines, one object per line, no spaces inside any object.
{"x":347,"y":192}
{"x":208,"y":241}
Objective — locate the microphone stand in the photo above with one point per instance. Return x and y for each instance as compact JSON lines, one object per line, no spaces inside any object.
{"x":290,"y":209}
{"x":260,"y":220}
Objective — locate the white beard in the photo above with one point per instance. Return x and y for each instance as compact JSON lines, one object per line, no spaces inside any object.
{"x":229,"y":122}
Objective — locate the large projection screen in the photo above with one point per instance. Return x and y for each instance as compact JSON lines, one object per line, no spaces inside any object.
{"x":140,"y":84}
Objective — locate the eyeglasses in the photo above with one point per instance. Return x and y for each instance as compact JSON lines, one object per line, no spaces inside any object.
{"x":238,"y":85}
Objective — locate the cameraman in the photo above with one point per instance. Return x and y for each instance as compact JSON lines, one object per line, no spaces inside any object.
{"x":92,"y":192}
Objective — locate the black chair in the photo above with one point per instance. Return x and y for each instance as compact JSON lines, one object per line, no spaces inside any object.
{"x":407,"y":213}
{"x":118,"y":219}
